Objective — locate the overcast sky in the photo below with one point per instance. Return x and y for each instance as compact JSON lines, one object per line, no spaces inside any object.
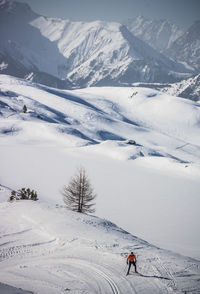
{"x":182,"y":12}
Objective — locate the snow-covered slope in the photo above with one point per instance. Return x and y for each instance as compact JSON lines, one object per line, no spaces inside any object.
{"x":105,"y":53}
{"x":159,"y":34}
{"x":186,"y":48}
{"x":141,"y":150}
{"x":189,"y":88}
{"x":104,"y":127}
{"x":94,"y":115}
{"x":174,"y":42}
{"x":23,"y":51}
{"x":47,"y":249}
{"x":94,"y":53}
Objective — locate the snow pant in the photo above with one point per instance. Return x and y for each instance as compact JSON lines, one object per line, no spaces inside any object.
{"x":129,"y":266}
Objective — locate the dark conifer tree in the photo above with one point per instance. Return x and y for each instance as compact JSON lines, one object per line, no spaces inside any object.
{"x":24,"y":109}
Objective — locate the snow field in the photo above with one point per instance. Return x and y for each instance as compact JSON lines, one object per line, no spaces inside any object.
{"x":63,"y":251}
{"x":92,"y":127}
{"x":148,"y":187}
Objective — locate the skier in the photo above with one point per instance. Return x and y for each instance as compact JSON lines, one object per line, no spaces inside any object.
{"x":131,"y":259}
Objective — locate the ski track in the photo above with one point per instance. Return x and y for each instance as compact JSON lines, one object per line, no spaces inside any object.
{"x":23,"y":250}
{"x":15,"y":233}
{"x":62,"y":263}
{"x":98,"y":273}
{"x":38,"y":249}
{"x":92,"y":274}
{"x":167,"y":272}
{"x":7,"y":252}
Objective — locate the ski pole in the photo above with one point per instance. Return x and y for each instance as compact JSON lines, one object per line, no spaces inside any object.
{"x":125,"y":268}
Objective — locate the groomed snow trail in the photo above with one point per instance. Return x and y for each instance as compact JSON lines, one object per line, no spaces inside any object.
{"x":46,"y":249}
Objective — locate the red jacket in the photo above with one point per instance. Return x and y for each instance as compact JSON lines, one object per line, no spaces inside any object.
{"x":131,"y":258}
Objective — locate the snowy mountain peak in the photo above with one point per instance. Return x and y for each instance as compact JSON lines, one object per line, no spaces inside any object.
{"x":186,"y":48}
{"x":16,"y":9}
{"x":84,"y":53}
{"x":157,"y":33}
{"x":103,"y":53}
{"x":194,"y":31}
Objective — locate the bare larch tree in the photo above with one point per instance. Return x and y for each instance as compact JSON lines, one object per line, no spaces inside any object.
{"x":79,"y":195}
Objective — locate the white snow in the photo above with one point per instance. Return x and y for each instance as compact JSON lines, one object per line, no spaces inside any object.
{"x":159,"y":34}
{"x":3,"y":65}
{"x":47,"y":249}
{"x":150,"y":189}
{"x":189,"y":88}
{"x":84,"y":53}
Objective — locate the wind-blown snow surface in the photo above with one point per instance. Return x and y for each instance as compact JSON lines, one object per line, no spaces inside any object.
{"x":149,"y":187}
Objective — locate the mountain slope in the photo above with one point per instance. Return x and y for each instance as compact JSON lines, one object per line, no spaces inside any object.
{"x":94,"y":115}
{"x":126,"y":139}
{"x":65,"y":251}
{"x":172,"y":41}
{"x":95,"y":53}
{"x":103,"y":53}
{"x":189,"y":88}
{"x":23,"y":51}
{"x":159,"y":34}
{"x":187,"y":47}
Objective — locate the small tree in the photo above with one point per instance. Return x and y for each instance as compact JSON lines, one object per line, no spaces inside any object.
{"x":79,"y":195}
{"x":13,"y":195}
{"x":24,"y":194}
{"x":33,"y":195}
